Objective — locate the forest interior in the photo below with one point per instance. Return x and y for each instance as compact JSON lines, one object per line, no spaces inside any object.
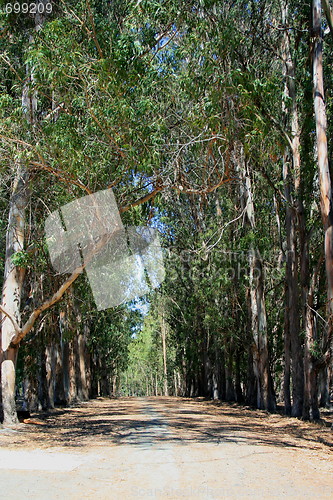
{"x":166,"y":243}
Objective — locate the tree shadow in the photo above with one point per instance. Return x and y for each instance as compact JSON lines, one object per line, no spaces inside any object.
{"x":146,"y":422}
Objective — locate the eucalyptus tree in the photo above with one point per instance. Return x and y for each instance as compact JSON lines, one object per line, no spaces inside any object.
{"x":15,"y":241}
{"x":325,"y":182}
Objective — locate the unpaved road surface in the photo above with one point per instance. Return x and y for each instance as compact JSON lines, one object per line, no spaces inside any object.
{"x":166,"y":448}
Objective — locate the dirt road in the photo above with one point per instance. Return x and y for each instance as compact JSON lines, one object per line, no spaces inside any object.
{"x":167,"y":448}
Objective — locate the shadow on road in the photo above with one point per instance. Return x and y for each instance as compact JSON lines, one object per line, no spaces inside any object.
{"x":160,"y":421}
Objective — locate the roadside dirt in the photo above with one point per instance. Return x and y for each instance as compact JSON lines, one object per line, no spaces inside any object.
{"x":165,"y":448}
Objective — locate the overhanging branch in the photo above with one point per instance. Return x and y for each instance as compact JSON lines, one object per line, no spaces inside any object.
{"x":56,"y":297}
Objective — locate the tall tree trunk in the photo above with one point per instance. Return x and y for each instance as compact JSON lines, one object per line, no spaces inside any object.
{"x":11,"y":293}
{"x":326,"y":197}
{"x":265,"y":390}
{"x":292,"y":179}
{"x":14,"y":275}
{"x":164,"y":350}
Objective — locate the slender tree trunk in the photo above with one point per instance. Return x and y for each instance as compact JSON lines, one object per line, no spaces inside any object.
{"x":265,"y":390}
{"x":175,"y":381}
{"x":215,"y":375}
{"x":164,"y":350}
{"x":221,"y":379}
{"x":228,"y":367}
{"x":287,"y":360}
{"x":310,"y":409}
{"x":310,"y":406}
{"x":238,"y":388}
{"x":72,"y":393}
{"x":250,"y":395}
{"x":292,"y":178}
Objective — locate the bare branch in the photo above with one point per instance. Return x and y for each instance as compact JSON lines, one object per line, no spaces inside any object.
{"x":55,"y":111}
{"x":142,"y":200}
{"x":56,"y":297}
{"x":208,"y":189}
{"x":94,"y":36}
{"x":69,"y":179}
{"x":172,"y":36}
{"x":12,"y":319}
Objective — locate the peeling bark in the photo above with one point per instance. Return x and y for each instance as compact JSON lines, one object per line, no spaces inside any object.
{"x":11,"y":294}
{"x":325,"y":184}
{"x":14,"y":275}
